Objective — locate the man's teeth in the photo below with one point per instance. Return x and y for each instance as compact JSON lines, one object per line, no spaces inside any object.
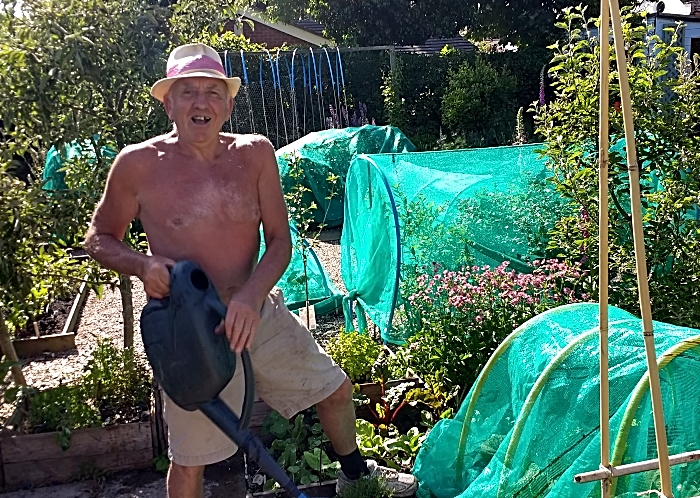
{"x":201,"y":119}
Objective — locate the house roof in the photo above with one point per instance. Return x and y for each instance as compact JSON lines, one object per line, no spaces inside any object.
{"x":435,"y":45}
{"x":292,"y":30}
{"x":310,"y":25}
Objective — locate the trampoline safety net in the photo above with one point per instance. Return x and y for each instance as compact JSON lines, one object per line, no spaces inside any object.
{"x":531,"y":421}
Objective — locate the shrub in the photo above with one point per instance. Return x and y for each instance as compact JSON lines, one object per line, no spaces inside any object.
{"x":461,"y":317}
{"x":666,"y":106}
{"x":355,"y":353}
{"x":119,"y":383}
{"x":480,"y":103}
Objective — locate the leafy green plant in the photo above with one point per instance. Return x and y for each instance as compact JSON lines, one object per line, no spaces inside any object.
{"x":63,"y":409}
{"x":665,"y":91}
{"x":118,"y":382}
{"x":115,"y":388}
{"x":370,"y":487}
{"x":355,"y":353}
{"x":302,"y":212}
{"x":394,"y":450}
{"x":298,"y":448}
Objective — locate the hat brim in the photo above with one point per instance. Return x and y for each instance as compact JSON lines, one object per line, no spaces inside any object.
{"x":161,"y":87}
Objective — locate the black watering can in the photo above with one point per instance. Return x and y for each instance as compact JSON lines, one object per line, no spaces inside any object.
{"x":193,"y":364}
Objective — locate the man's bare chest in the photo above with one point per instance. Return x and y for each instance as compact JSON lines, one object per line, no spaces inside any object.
{"x":192,"y":202}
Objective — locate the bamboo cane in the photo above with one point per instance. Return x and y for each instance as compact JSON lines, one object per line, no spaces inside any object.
{"x":603,"y":159}
{"x":640,"y":256}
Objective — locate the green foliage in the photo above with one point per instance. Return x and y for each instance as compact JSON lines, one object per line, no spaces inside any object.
{"x":115,"y":388}
{"x":73,"y":71}
{"x":355,"y":353}
{"x":36,"y":266}
{"x":526,"y":22}
{"x":519,"y":223}
{"x":63,"y":409}
{"x":427,"y":241}
{"x":415,"y":91}
{"x":364,"y":77}
{"x":118,"y":381}
{"x":303,"y":211}
{"x":228,"y":40}
{"x":193,"y":19}
{"x":397,"y":451}
{"x":162,"y":462}
{"x":479,"y":103}
{"x":666,"y":107}
{"x":371,"y":487}
{"x":298,"y":448}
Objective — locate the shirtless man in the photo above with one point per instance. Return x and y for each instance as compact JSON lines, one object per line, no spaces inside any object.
{"x":201,"y":195}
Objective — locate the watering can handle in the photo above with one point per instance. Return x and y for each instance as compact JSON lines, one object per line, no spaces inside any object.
{"x":249,"y":396}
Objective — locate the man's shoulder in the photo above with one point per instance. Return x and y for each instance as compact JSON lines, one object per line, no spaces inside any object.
{"x":142,"y":152}
{"x":150,"y":146}
{"x":248,"y":140}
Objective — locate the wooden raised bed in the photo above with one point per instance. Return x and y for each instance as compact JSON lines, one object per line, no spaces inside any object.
{"x":54,"y":343}
{"x":30,"y":460}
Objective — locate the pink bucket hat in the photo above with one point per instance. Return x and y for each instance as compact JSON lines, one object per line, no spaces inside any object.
{"x":194,"y":60}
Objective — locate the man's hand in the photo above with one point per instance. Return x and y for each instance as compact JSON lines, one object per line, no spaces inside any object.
{"x":241,"y":324}
{"x":156,"y":276}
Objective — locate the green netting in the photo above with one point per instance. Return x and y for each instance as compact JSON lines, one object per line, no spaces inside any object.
{"x":406,"y":212}
{"x":330,"y":152}
{"x":54,"y":174}
{"x":325,"y":297}
{"x":531,"y":421}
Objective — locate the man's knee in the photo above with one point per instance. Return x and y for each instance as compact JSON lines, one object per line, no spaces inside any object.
{"x":180,"y":473}
{"x":341,"y":396}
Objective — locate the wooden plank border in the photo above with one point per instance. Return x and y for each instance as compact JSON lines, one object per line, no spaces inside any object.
{"x":55,"y":343}
{"x":37,"y":459}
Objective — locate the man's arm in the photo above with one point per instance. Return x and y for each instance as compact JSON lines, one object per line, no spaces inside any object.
{"x":243,"y":309}
{"x":117,"y":208}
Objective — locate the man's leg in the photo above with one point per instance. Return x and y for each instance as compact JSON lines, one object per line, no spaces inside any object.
{"x":337,"y":414}
{"x":185,"y":482}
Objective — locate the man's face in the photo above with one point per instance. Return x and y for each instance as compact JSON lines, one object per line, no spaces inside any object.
{"x":199,"y":107}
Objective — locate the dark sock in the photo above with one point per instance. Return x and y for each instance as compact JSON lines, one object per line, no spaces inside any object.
{"x":353,"y":465}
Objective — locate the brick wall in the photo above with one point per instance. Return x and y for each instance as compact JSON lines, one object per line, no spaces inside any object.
{"x":270,"y":36}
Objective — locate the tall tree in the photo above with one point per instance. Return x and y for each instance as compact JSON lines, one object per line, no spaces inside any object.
{"x":379,"y":22}
{"x":524,"y":22}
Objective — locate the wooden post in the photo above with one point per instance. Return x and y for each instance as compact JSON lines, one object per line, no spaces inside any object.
{"x":603,"y":161}
{"x":639,"y":252}
{"x":127,"y":310}
{"x":8,"y":349}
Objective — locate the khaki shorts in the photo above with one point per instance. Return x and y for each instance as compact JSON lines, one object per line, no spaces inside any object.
{"x":291,"y":371}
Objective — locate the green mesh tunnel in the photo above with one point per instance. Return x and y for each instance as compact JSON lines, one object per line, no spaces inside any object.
{"x":296,"y":281}
{"x":406,"y":212}
{"x":330,"y":152}
{"x":531,"y":421}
